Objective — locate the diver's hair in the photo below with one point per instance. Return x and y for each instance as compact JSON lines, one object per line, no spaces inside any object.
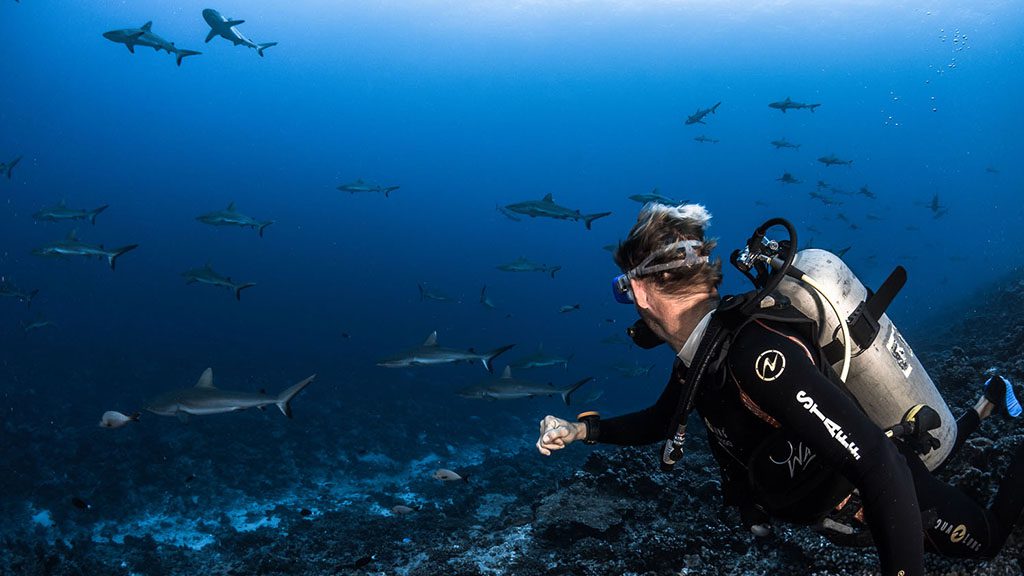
{"x":658,"y":226}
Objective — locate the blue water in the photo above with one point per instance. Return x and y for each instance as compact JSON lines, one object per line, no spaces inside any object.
{"x":465,"y":105}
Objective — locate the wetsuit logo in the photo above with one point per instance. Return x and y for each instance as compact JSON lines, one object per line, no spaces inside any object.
{"x":769,"y":365}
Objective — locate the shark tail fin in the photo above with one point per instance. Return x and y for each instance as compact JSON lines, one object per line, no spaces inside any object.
{"x":135,"y":416}
{"x":31,"y":296}
{"x":555,"y":269}
{"x":10,"y":167}
{"x":589,"y":218}
{"x":112,"y":258}
{"x":389,"y":189}
{"x":181,"y":54}
{"x":96,"y":212}
{"x":422,"y":292}
{"x":567,"y":395}
{"x":284,"y":398}
{"x":489,"y":359}
{"x":813,"y":106}
{"x":240,"y":287}
{"x":263,"y":225}
{"x":261,"y":47}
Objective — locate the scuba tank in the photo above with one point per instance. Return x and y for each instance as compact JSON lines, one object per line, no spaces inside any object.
{"x":884,"y":374}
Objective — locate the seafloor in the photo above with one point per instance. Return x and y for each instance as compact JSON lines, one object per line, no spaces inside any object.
{"x":216,"y":498}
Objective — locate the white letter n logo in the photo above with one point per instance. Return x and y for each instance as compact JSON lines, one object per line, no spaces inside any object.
{"x":769,"y":365}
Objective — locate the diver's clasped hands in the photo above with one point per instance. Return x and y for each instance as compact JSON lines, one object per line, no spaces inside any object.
{"x":556,"y":433}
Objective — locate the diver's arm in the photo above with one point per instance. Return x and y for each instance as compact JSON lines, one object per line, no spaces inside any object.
{"x":778,"y":375}
{"x":638,"y":428}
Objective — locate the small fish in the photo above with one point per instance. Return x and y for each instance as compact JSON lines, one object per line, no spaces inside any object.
{"x":305,"y":512}
{"x":190,"y":478}
{"x":402,"y":510}
{"x":113,"y":419}
{"x":445,"y":475}
{"x":363,"y":561}
{"x":80,"y":504}
{"x":569,"y":308}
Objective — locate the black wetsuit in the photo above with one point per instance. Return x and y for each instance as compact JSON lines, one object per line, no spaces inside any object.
{"x":788,"y":439}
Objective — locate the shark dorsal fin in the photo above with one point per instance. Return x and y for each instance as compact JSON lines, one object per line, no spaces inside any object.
{"x":63,"y":203}
{"x":231,"y":207}
{"x":507,"y":374}
{"x":359,"y":181}
{"x":548,"y":198}
{"x":787,"y":99}
{"x":206,"y":380}
{"x":147,"y":26}
{"x":431,"y":340}
{"x":73,"y":235}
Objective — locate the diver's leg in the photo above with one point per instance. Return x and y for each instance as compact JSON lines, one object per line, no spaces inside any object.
{"x":1009,"y":501}
{"x":954,"y":525}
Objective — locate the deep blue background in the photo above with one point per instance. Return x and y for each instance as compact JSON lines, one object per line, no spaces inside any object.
{"x":467,"y":105}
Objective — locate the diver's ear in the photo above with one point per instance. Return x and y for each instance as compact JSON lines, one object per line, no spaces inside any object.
{"x":640,"y":294}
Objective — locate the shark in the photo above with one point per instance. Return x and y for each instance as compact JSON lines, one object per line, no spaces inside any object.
{"x":426,"y":293}
{"x":787,"y":178}
{"x":359,"y":185}
{"x":633,"y":370}
{"x":547,"y":208}
{"x":8,"y":289}
{"x":508,"y":388}
{"x":8,"y":167}
{"x":144,"y":36}
{"x":225,"y":28}
{"x":204,"y":398}
{"x":783,"y":143}
{"x":36,"y":325}
{"x":833,"y":160}
{"x":541,"y":360}
{"x":655,"y":196}
{"x":507,"y":213}
{"x":207,"y":275}
{"x":826,"y":200}
{"x":485,"y":300}
{"x":71,"y":246}
{"x":62,"y":212}
{"x":231,"y":217}
{"x":430,"y":353}
{"x":522,"y":264}
{"x":788,"y":104}
{"x":698,"y":116}
{"x":705,"y":140}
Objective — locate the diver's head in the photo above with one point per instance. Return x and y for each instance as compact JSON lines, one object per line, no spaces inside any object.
{"x":667,"y":269}
{"x":667,"y":250}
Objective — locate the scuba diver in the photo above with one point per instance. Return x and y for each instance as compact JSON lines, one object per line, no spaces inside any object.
{"x":816,"y":410}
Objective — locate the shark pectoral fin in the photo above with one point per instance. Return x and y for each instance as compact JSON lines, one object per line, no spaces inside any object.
{"x":234,"y":22}
{"x":182,"y":417}
{"x":211,"y":35}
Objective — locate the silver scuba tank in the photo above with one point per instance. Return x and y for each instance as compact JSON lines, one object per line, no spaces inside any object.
{"x":886,"y":376}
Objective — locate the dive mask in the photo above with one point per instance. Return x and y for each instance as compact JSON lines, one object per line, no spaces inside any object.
{"x":623,"y":291}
